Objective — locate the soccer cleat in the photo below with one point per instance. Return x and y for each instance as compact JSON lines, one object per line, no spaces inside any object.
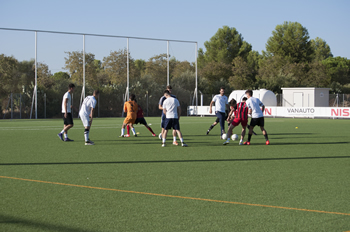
{"x":163,"y":144}
{"x":246,"y":143}
{"x":154,"y":135}
{"x":60,"y":136}
{"x":175,"y":143}
{"x":226,"y":142}
{"x":208,"y":132}
{"x":134,"y":135}
{"x":89,"y":143}
{"x":240,"y":142}
{"x":184,"y":145}
{"x":267,"y":142}
{"x":68,"y":140}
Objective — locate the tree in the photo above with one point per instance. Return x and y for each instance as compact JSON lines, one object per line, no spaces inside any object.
{"x":290,"y":41}
{"x":60,"y":76}
{"x":317,"y":75}
{"x":156,"y":67}
{"x":44,"y":76}
{"x":214,"y":72}
{"x":243,"y":75}
{"x":322,"y":49}
{"x":338,"y":69}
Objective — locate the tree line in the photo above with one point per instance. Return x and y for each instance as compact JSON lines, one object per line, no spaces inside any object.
{"x":291,"y":59}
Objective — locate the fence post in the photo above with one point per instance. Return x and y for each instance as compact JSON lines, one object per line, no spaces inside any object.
{"x":20,"y":106}
{"x":45,"y":105}
{"x":11,"y":105}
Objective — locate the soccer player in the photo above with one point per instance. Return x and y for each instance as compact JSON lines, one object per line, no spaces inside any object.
{"x":221,"y":102}
{"x":160,"y":106}
{"x":254,"y":105}
{"x":140,"y":119}
{"x":87,"y":111}
{"x":172,"y":111}
{"x":67,"y":114}
{"x":238,"y":115}
{"x":130,"y":107}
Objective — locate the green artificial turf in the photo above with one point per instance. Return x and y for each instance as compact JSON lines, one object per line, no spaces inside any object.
{"x":203,"y":187}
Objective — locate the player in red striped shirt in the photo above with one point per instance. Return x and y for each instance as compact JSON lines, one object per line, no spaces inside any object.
{"x":140,"y":119}
{"x":238,"y":115}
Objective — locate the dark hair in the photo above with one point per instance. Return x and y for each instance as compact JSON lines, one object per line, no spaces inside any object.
{"x":167,"y":92}
{"x":222,"y":88}
{"x":71,"y":85}
{"x":250,"y":92}
{"x":132,"y":97}
{"x":96,"y":92}
{"x":168,"y":87}
{"x":244,"y":99}
{"x":233,"y":102}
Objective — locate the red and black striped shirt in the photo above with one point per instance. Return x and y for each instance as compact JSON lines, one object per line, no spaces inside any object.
{"x":241,"y":111}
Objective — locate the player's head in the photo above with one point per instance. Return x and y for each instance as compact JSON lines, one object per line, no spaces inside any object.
{"x":71,"y":87}
{"x":166,"y":93}
{"x":222,"y":91}
{"x":233,"y":102}
{"x":244,"y":99}
{"x":169,"y":88}
{"x":249,"y":93}
{"x":96,"y":93}
{"x":132,"y":97}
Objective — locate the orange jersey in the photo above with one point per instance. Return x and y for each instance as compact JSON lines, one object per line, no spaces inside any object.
{"x":131,"y":107}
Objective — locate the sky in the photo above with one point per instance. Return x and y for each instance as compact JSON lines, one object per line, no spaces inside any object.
{"x":170,"y":20}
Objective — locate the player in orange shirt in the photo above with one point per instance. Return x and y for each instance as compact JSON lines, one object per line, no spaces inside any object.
{"x":130,"y":107}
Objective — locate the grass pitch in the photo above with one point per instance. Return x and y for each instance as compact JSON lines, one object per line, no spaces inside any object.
{"x":298,"y":183}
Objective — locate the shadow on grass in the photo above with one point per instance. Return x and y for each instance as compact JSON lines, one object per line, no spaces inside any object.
{"x":19,"y":223}
{"x":182,"y":161}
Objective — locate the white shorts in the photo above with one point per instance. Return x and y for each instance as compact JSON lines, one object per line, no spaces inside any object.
{"x":85,"y":119}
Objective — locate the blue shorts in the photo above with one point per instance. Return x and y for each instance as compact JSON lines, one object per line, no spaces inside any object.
{"x":162,"y":120}
{"x":171,"y":123}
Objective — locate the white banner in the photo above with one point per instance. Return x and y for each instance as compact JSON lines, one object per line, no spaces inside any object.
{"x":290,"y":112}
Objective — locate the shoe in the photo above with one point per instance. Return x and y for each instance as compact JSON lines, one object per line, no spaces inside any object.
{"x":255,"y":133}
{"x":267,"y":142}
{"x":154,"y":135}
{"x":89,"y":143}
{"x":134,"y":135}
{"x":60,"y":136}
{"x":246,"y":143}
{"x":68,"y":140}
{"x":240,"y":142}
{"x":184,"y":145}
{"x":208,"y":132}
{"x":226,"y":142}
{"x":163,"y":144}
{"x":175,"y":143}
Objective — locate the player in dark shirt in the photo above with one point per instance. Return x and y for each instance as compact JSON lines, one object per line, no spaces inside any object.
{"x":140,"y":119}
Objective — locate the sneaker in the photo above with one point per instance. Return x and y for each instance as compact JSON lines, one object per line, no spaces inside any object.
{"x":163,"y":144}
{"x":134,"y":135}
{"x":267,"y":142}
{"x":154,"y":135}
{"x":89,"y":143}
{"x":246,"y":143}
{"x":175,"y":143}
{"x":60,"y":136}
{"x":240,"y":142}
{"x":184,"y":145}
{"x":226,"y":142}
{"x":68,"y":140}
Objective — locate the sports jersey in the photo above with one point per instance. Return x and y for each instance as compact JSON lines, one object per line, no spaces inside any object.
{"x":170,"y":105}
{"x":88,"y":103}
{"x":69,"y":103}
{"x":131,"y":107}
{"x":139,"y":112}
{"x":220,"y":103}
{"x":241,"y":111}
{"x":255,"y":104}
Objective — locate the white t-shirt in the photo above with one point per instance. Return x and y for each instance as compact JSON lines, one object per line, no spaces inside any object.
{"x":69,"y":103}
{"x":88,"y":103}
{"x":170,"y":105}
{"x":220,"y":103}
{"x":255,"y":104}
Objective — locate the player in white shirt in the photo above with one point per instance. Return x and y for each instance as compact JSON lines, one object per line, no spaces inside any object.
{"x":254,"y":105}
{"x":67,"y":114}
{"x":172,"y":111}
{"x":86,"y":112}
{"x":221,"y":103}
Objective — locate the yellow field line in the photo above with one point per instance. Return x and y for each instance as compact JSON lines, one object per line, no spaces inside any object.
{"x":173,"y":196}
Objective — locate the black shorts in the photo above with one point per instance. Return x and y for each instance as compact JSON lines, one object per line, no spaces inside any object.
{"x":141,"y":121}
{"x":68,"y":120}
{"x":257,"y":122}
{"x":171,"y":123}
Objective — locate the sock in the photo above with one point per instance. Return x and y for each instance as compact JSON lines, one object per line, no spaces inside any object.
{"x":123,"y":130}
{"x":62,"y":132}
{"x":66,"y":135}
{"x":86,"y":135}
{"x":150,"y":129}
{"x":182,"y":140}
{"x":163,"y":140}
{"x":249,"y":137}
{"x":211,"y":127}
{"x":133,"y":131}
{"x":241,"y":141}
{"x":128,"y":129}
{"x":266,"y":137}
{"x":174,"y":138}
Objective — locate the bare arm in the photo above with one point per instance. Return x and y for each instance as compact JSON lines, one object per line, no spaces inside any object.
{"x":211,"y":104}
{"x":164,"y":111}
{"x":263,"y":108}
{"x":65,"y":107}
{"x":160,"y":107}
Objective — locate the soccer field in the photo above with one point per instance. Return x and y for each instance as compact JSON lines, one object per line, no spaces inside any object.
{"x":300,"y":182}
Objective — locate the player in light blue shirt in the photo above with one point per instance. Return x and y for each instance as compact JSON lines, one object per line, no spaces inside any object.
{"x":221,"y":103}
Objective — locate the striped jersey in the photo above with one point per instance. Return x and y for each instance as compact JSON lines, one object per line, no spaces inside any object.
{"x":241,"y":111}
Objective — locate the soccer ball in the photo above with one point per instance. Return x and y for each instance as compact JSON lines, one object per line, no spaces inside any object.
{"x":224,"y":136}
{"x":160,"y":136}
{"x":234,"y":137}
